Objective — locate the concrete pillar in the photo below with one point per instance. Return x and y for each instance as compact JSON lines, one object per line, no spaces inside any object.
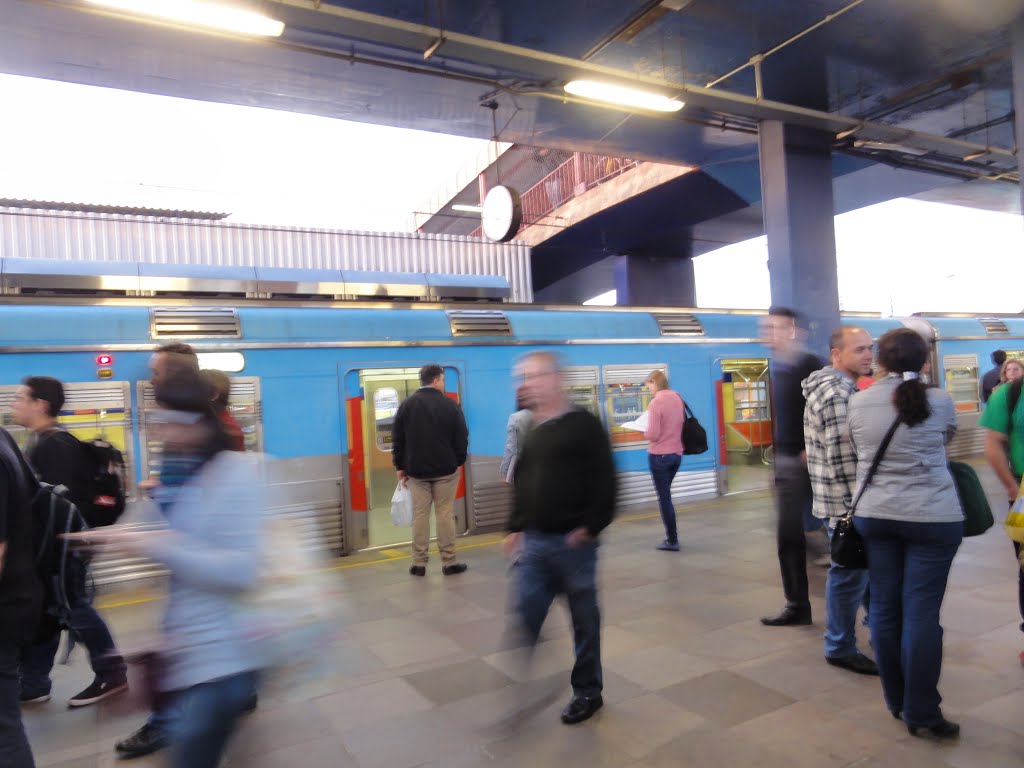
{"x":1018,"y":96}
{"x":644,"y":280}
{"x":796,"y":187}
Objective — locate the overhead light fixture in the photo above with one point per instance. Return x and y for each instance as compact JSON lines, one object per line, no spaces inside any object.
{"x":623,"y":96}
{"x":975,"y":156}
{"x":433,"y":48}
{"x":886,"y":146}
{"x":226,"y":18}
{"x":467,"y":208}
{"x":848,"y":132}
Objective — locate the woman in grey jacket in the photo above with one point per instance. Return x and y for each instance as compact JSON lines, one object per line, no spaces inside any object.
{"x":912,"y":524}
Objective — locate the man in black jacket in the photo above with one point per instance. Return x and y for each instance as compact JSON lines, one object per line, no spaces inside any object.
{"x":791,"y":364}
{"x":429,"y":444}
{"x":58,"y":458}
{"x":21,"y":597}
{"x":565,"y":497}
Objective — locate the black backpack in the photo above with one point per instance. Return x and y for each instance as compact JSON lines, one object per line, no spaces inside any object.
{"x":695,"y":438}
{"x":63,"y":569}
{"x":108,"y":489}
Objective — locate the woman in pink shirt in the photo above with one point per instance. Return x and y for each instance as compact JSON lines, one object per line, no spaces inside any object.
{"x":665,"y":449}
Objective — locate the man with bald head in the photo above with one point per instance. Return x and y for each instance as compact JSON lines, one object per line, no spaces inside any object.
{"x":832,"y":465}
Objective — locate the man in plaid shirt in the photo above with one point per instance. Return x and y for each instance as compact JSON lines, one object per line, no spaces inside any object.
{"x":832,"y":465}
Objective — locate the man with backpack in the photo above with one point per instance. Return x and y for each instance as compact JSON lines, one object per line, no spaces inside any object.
{"x":20,"y":597}
{"x":58,"y":458}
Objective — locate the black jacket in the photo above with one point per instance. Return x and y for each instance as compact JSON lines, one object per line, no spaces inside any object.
{"x":20,"y":590}
{"x":58,"y":458}
{"x":429,"y":437}
{"x":788,"y":402}
{"x":565,"y":478}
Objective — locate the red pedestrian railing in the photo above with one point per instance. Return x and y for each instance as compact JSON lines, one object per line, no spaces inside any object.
{"x":571,"y":179}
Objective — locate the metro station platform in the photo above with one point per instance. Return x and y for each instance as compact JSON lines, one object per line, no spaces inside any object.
{"x":423,"y":677}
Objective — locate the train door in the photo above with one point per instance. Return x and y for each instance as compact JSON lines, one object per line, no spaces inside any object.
{"x":372,"y":399}
{"x":244,"y":403}
{"x":745,"y":424}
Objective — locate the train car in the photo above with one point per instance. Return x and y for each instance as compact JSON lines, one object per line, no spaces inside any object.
{"x":316,"y":381}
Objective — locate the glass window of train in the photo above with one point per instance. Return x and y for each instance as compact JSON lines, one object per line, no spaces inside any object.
{"x":626,"y":399}
{"x":962,"y":381}
{"x":385,"y":406}
{"x":581,"y":382}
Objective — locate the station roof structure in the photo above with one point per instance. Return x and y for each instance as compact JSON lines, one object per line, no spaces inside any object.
{"x":917,"y":92}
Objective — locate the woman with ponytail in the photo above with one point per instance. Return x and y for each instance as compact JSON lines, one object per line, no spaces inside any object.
{"x":911,"y":521}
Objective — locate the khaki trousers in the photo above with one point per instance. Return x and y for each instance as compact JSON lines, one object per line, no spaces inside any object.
{"x":441,"y":492}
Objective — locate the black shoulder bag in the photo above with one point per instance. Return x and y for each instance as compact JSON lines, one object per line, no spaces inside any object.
{"x":847,"y":545}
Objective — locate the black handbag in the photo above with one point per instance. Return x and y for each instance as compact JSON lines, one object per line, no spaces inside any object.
{"x":695,"y":438}
{"x":847,"y":548}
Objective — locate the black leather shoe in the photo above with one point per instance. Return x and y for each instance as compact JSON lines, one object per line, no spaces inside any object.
{"x":144,"y":741}
{"x":944,"y":729}
{"x":251,"y":704}
{"x":454,"y":568}
{"x":581,"y":708}
{"x":418,"y":570}
{"x":788,"y":617}
{"x":856,"y":662}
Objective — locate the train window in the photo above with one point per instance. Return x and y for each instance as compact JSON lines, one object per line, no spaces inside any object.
{"x":385,"y":406}
{"x":962,"y":381}
{"x":582,"y":382}
{"x":229,"y":362}
{"x":626,"y":399}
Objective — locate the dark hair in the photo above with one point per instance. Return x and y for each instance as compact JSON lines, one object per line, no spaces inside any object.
{"x":428,"y":373}
{"x":792,"y":314}
{"x":221,"y":386}
{"x":177,"y":348}
{"x":48,"y":390}
{"x":185,"y":389}
{"x":835,"y":341}
{"x":904,"y":351}
{"x":999,"y":357}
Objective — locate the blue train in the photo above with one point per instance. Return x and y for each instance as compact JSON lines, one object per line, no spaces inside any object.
{"x":316,"y":381}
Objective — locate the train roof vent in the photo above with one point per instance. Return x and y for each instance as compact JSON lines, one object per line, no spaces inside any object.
{"x":993,"y":325}
{"x":168,"y":323}
{"x":675,"y":324}
{"x":478,"y":322}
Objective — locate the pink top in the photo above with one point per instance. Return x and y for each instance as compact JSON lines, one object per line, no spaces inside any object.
{"x":665,"y":423}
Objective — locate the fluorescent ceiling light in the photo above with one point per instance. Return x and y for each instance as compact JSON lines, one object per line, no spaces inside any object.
{"x":201,"y":14}
{"x":887,"y":146}
{"x":608,"y":299}
{"x":623,"y":96}
{"x":467,"y":208}
{"x":229,"y":362}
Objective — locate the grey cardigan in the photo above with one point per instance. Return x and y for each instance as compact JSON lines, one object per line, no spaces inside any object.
{"x":912,"y":482}
{"x":519,"y":424}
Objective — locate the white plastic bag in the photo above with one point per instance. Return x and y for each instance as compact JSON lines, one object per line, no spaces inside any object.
{"x":401,"y":507}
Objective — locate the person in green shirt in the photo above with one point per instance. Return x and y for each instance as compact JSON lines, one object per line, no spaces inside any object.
{"x":1004,"y":449}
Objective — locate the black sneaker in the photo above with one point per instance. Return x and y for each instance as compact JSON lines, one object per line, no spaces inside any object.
{"x":34,"y":697}
{"x":418,"y":570}
{"x":97,"y":691}
{"x":144,"y":741}
{"x":454,"y":568}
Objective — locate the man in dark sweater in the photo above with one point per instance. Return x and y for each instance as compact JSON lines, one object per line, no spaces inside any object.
{"x":429,"y":444}
{"x":21,"y":597}
{"x":565,"y":497}
{"x":59,"y":459}
{"x":791,"y":364}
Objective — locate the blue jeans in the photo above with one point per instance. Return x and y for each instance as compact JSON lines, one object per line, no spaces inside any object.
{"x":207,"y":716}
{"x":549,"y":567}
{"x":908,"y":566}
{"x":14,"y":749}
{"x":845,"y":590}
{"x":663,"y":471}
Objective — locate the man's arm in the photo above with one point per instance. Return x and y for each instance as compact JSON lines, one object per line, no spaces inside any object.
{"x":600,"y":478}
{"x":398,"y":441}
{"x":996,"y":444}
{"x":461,"y":437}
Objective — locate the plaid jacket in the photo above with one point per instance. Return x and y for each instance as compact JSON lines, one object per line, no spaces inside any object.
{"x":831,"y":458}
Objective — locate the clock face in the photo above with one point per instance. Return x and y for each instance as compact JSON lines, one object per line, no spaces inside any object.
{"x":502,"y":214}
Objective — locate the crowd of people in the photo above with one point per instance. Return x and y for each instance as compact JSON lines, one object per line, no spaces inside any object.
{"x":854,"y":438}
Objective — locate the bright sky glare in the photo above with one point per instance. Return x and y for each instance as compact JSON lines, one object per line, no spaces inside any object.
{"x":75,"y":143}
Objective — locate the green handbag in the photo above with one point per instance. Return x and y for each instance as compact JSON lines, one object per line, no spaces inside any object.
{"x":977,"y":513}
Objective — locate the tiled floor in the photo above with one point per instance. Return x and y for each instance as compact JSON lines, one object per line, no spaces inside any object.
{"x":425,"y":675}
